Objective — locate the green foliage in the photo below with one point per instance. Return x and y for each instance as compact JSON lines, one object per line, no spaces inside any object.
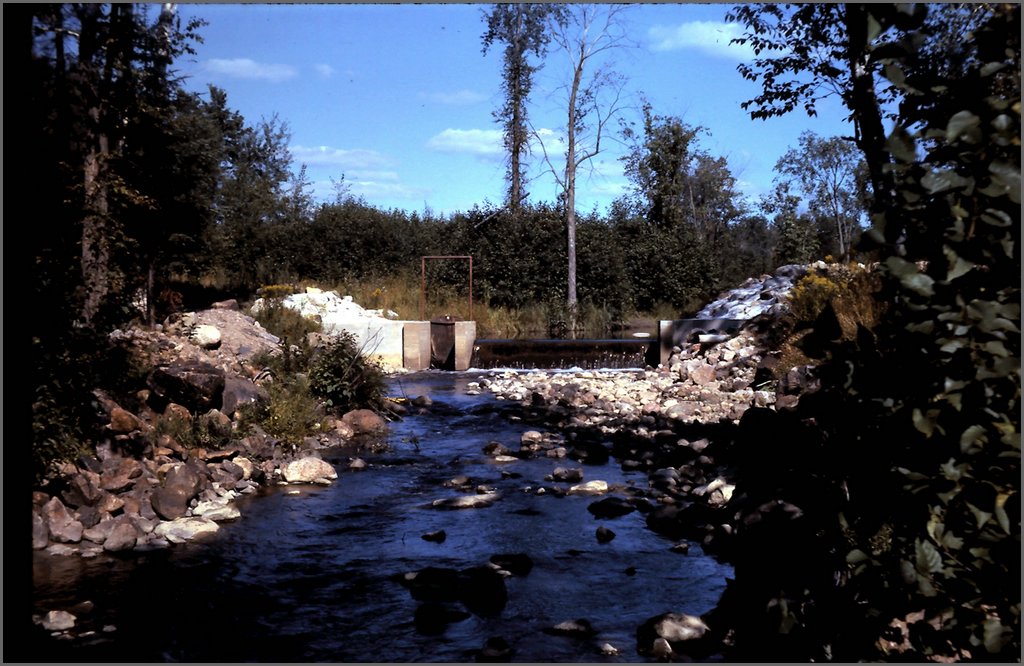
{"x":906,"y":540}
{"x":830,"y":175}
{"x":291,"y":413}
{"x":341,"y":375}
{"x":286,"y":323}
{"x":522,"y":28}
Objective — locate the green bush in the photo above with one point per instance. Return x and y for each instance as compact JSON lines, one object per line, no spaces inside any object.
{"x":291,"y":412}
{"x":341,"y":375}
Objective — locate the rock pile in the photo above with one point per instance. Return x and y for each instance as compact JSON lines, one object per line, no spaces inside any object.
{"x":756,"y":296}
{"x":148,"y":484}
{"x":702,"y":384}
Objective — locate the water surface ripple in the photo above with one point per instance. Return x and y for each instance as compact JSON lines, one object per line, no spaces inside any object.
{"x":312,"y":577}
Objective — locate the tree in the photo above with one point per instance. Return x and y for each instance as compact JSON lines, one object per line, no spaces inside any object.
{"x":659,"y":164}
{"x":586,"y":35}
{"x":903,"y":499}
{"x":826,"y":172}
{"x":686,"y":192}
{"x":522,"y":27}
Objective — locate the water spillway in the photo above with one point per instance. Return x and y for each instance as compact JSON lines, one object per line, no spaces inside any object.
{"x":562,"y":354}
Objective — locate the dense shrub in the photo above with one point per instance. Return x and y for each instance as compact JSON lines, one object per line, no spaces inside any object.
{"x":345,"y":378}
{"x":810,"y":295}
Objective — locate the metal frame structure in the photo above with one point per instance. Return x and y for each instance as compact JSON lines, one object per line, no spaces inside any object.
{"x":423,"y":281}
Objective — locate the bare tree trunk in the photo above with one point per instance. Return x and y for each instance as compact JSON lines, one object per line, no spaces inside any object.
{"x":95,"y":240}
{"x":570,"y":194}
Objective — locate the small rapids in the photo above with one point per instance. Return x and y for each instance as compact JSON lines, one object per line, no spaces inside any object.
{"x":314,"y":575}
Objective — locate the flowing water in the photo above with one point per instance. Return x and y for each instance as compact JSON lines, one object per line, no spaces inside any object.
{"x":312,"y":576}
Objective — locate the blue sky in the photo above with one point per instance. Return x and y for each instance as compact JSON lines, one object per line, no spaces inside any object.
{"x":398,"y":98}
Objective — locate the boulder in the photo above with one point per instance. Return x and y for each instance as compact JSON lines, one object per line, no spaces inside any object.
{"x":123,"y":536}
{"x":62,"y":525}
{"x":229,"y":304}
{"x":217,"y":510}
{"x":308,"y":470}
{"x":596,"y":487}
{"x":58,"y":620}
{"x":239,"y":393}
{"x":433,"y":618}
{"x":365,"y":422}
{"x":604,"y":535}
{"x":482,"y":591}
{"x":206,"y":336}
{"x":437,"y":537}
{"x":171,"y":499}
{"x":563,"y":474}
{"x":99,"y":532}
{"x":679,"y":630}
{"x":185,"y":529}
{"x":466,"y":501}
{"x":196,"y":385}
{"x":83,"y":489}
{"x":217,"y":423}
{"x":123,"y":421}
{"x":610,"y":507}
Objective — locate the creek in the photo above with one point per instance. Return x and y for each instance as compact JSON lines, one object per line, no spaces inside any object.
{"x":312,"y":576}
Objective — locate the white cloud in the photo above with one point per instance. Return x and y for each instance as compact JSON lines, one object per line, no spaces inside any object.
{"x":357,"y":158}
{"x":458,"y":98}
{"x":553,"y":142}
{"x":324,"y":70}
{"x":711,"y":37}
{"x":371,"y":186}
{"x":245,"y":68}
{"x":482,"y":143}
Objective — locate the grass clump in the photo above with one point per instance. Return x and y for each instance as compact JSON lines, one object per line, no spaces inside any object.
{"x":292,"y":412}
{"x":284,"y":322}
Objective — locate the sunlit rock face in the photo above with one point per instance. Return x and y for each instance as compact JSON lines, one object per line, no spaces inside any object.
{"x":756,"y":296}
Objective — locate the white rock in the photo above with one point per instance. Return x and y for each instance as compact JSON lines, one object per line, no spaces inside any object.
{"x":57,"y":620}
{"x":308,"y":470}
{"x":185,"y":529}
{"x":595,"y":487}
{"x":216,"y":510}
{"x":206,"y":336}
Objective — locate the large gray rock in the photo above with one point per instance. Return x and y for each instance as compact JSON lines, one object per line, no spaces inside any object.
{"x":62,"y":525}
{"x":198,"y":386}
{"x":308,"y":470}
{"x":171,"y":499}
{"x":240,"y":392}
{"x":123,"y":535}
